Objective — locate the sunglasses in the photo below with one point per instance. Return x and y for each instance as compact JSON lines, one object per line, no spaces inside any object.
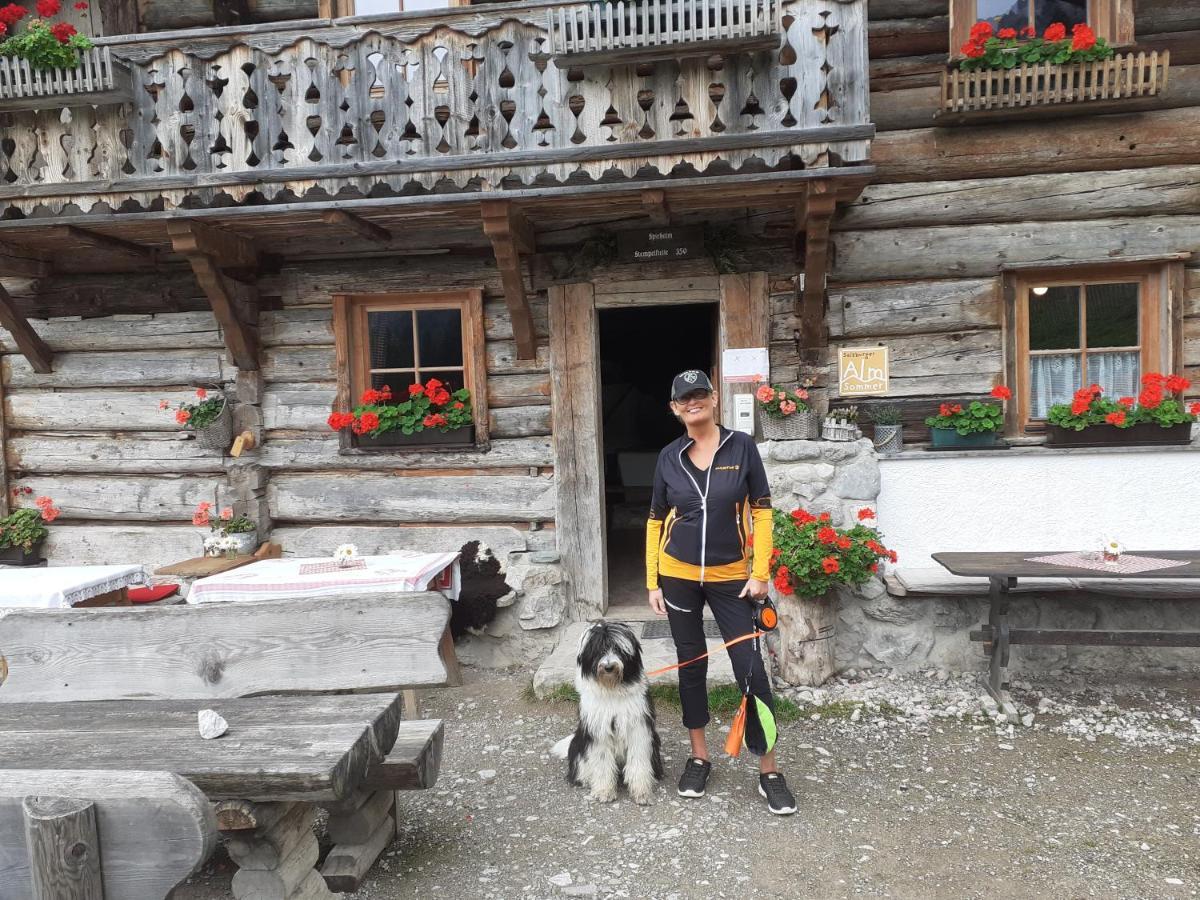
{"x":698,"y":394}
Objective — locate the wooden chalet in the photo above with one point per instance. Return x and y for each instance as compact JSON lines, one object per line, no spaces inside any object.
{"x":243,"y":186}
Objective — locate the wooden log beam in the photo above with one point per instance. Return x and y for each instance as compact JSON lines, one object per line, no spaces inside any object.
{"x":364,"y":228}
{"x":818,"y":209}
{"x":511,"y":236}
{"x":64,"y":849}
{"x":655,"y":204}
{"x":32,"y":347}
{"x":212,"y":253}
{"x":22,"y":262}
{"x":102,"y":241}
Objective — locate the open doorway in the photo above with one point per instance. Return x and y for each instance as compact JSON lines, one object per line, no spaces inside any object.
{"x":641,"y":350}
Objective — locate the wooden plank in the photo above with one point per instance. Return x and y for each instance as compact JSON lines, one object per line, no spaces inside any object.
{"x":108,"y":498}
{"x":268,"y":846}
{"x":284,"y":748}
{"x":511,"y":236}
{"x":155,"y":829}
{"x":520,"y":421}
{"x":364,"y":228}
{"x":299,"y":407}
{"x":578,"y":450}
{"x":145,"y":453}
{"x":901,"y":308}
{"x":313,"y":454}
{"x":518,"y":390}
{"x":34,"y":349}
{"x":380,"y":540}
{"x":103,"y":242}
{"x":161,"y":331}
{"x":203,"y":566}
{"x":1063,"y":637}
{"x":816,"y":217}
{"x":100,"y":544}
{"x":4,"y":464}
{"x":744,"y":322}
{"x":376,"y":643}
{"x":1016,"y":564}
{"x":370,"y":497}
{"x":347,"y":864}
{"x":146,"y":368}
{"x":64,"y":849}
{"x":356,"y":826}
{"x":414,"y":761}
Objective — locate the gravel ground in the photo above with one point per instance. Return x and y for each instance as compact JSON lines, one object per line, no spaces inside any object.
{"x":908,"y":787}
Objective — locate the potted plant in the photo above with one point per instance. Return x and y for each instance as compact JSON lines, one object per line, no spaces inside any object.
{"x":1158,"y":415}
{"x":228,"y":534}
{"x":785,"y":414}
{"x":889,"y":429}
{"x":41,"y":43}
{"x":810,"y":560}
{"x":431,"y":414}
{"x":1008,"y":48}
{"x":841,"y":425}
{"x":209,"y":416}
{"x":23,"y":531}
{"x":975,"y":426}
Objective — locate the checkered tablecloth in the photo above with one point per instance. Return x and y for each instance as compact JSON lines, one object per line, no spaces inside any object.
{"x":59,"y":587}
{"x":281,"y":579}
{"x":1125,"y":564}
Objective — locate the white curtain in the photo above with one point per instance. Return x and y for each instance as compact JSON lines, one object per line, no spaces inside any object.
{"x":1054,"y":378}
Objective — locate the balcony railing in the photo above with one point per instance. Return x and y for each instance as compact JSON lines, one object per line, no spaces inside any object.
{"x":642,"y":29}
{"x":98,"y":79}
{"x":460,"y":99}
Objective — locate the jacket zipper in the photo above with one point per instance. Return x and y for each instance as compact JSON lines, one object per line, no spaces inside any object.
{"x":703,"y":494}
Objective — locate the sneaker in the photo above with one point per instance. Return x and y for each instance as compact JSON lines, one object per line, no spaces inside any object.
{"x":779,"y":799}
{"x":694,"y":777}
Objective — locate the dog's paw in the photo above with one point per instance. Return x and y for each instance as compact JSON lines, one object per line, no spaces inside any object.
{"x":604,"y":794}
{"x":642,"y":797}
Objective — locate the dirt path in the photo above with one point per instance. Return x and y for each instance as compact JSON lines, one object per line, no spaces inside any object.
{"x":889,"y":808}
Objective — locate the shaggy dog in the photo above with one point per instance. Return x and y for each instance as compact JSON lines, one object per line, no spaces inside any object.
{"x":616,"y":737}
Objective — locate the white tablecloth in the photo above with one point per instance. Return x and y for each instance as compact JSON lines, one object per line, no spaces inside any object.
{"x":57,"y":587}
{"x":281,"y":579}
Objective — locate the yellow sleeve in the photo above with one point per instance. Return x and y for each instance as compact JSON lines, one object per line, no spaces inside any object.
{"x":653,"y":535}
{"x":760,"y":569}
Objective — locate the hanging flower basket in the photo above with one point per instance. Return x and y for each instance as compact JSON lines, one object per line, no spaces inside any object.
{"x":219,"y":435}
{"x":800,"y":426}
{"x":210,"y":417}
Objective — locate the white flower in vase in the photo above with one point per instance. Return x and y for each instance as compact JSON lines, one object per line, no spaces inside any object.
{"x":1111,"y":549}
{"x":345,"y":554}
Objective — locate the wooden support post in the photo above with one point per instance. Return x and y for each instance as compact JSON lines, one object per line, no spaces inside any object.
{"x":5,"y":499}
{"x":32,"y":347}
{"x":744,"y":322}
{"x":213,"y":254}
{"x":64,"y":849}
{"x":360,"y":226}
{"x":815,"y":216}
{"x":276,"y":860}
{"x":512,"y":236}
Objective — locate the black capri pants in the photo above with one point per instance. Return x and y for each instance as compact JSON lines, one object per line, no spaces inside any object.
{"x":685,"y":601}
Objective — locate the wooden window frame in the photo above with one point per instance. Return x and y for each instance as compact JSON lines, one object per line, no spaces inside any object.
{"x":1110,"y":19}
{"x":336,"y":9}
{"x":1159,"y":334}
{"x":352,"y":349}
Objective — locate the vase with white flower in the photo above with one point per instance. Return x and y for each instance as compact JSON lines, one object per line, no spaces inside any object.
{"x":1111,"y":550}
{"x":229,"y":534}
{"x":346,"y":556}
{"x":786,"y":415}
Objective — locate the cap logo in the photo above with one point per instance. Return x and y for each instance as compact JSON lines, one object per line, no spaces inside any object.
{"x":691,"y":376}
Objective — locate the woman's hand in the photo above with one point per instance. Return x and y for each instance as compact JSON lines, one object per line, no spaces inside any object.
{"x":657,"y":603}
{"x":754,"y":589}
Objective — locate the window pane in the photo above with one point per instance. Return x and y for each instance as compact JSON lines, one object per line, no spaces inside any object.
{"x":370,"y":7}
{"x":439,"y":332}
{"x":1004,"y":13}
{"x":1112,"y":315}
{"x":391,"y":337}
{"x":1117,"y":373}
{"x":397,"y":381}
{"x":451,"y":380}
{"x":1054,"y":319}
{"x":1069,"y":12}
{"x":1053,"y":379}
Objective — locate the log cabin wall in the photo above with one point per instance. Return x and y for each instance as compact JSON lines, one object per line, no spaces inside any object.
{"x":917,"y":256}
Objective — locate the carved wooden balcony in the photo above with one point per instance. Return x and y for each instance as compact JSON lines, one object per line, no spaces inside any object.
{"x":99,"y":79}
{"x":639,"y":30}
{"x":467,"y":99}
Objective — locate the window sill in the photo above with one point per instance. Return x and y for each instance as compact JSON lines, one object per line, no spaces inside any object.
{"x":919,"y":451}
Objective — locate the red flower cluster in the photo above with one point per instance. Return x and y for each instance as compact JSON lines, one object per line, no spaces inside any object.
{"x":1084,"y":397}
{"x":12,"y":14}
{"x":1055,"y":32}
{"x":1082,"y":37}
{"x":947,"y":410}
{"x":783,"y":580}
{"x":48,"y":9}
{"x":182,"y":416}
{"x":980,"y":32}
{"x":830,"y":565}
{"x":866,"y":513}
{"x":436,"y":392}
{"x":202,"y":516}
{"x":435,"y":420}
{"x":1028,"y":31}
{"x":371,"y":396}
{"x":1194,"y":409}
{"x":827,"y":535}
{"x":81,"y":6}
{"x":803,"y":517}
{"x":1007,"y":34}
{"x":1115,"y":418}
{"x":1001,"y":392}
{"x":49,"y":511}
{"x":338,"y":420}
{"x":365,"y":423}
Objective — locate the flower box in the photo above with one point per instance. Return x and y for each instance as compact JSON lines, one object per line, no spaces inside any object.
{"x":950,"y":439}
{"x":1142,"y":434}
{"x":429,"y":437}
{"x":99,"y":79}
{"x":17,"y":556}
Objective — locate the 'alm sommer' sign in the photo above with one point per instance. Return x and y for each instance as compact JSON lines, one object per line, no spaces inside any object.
{"x":862,"y":371}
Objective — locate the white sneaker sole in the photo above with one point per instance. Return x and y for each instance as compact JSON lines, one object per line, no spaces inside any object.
{"x":779,"y":812}
{"x":691,"y":795}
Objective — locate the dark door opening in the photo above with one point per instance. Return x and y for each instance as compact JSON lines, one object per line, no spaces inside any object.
{"x":641,"y":350}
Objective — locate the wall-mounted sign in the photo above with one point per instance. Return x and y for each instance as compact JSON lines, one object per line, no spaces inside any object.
{"x":862,"y":371}
{"x":747,"y":366}
{"x":663,"y":244}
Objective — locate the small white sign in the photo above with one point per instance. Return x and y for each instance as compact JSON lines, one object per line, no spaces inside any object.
{"x":746,"y":366}
{"x":743,"y":413}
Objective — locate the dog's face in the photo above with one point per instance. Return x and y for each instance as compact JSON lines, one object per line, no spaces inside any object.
{"x":609,"y":653}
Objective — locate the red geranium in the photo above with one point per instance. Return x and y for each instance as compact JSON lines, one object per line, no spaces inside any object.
{"x":1127,"y":402}
{"x":824,"y":518}
{"x":1194,"y":409}
{"x":1000,"y":392}
{"x":827,"y":535}
{"x":844,"y":543}
{"x":63,"y":32}
{"x":1177,"y":384}
{"x":81,"y":5}
{"x":435,"y":420}
{"x":48,"y":9}
{"x":1028,"y":31}
{"x":981,"y":31}
{"x":1006,"y":34}
{"x":1082,"y":37}
{"x":803,"y":517}
{"x":415,"y":389}
{"x":1056,"y":32}
{"x":12,"y":14}
{"x":1115,"y":418}
{"x":830,"y":565}
{"x":3,"y":29}
{"x":972,"y":50}
{"x":369,"y":421}
{"x":866,"y":513}
{"x":1150,"y":398}
{"x":811,"y":557}
{"x":182,"y":416}
{"x":338,"y":420}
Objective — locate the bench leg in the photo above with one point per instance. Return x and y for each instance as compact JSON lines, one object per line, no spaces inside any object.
{"x":997,"y":678}
{"x":360,"y":831}
{"x":454,"y":676}
{"x":277,"y":860}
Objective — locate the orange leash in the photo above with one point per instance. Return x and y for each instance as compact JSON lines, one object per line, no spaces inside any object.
{"x":736,"y":640}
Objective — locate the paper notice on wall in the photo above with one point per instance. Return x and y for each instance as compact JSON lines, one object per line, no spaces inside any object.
{"x":746,"y":366}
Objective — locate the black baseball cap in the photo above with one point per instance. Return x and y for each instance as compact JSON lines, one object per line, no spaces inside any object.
{"x":691,"y":380}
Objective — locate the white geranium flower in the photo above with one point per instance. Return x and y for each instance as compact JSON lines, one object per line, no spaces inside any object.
{"x":345,"y":551}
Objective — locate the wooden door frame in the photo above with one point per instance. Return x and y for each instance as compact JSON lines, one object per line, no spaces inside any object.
{"x":743,"y":320}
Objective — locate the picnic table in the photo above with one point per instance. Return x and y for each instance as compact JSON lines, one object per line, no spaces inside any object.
{"x":1003,"y":569}
{"x":61,"y":587}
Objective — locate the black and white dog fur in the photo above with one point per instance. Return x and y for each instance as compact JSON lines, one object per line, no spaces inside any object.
{"x":616,"y":738}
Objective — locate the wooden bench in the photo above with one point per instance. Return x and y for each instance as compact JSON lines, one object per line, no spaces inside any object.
{"x":372,"y":646}
{"x":95,"y":834}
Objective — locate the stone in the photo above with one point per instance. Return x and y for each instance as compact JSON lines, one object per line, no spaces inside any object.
{"x":792,"y":451}
{"x":562,"y":879}
{"x":545,"y":557}
{"x":540,"y":591}
{"x":487,"y":776}
{"x":507,"y":600}
{"x":809,"y":490}
{"x":894,"y":612}
{"x":839,"y":451}
{"x":858,"y":480}
{"x":212,"y":725}
{"x":892,"y":648}
{"x":811,"y":472}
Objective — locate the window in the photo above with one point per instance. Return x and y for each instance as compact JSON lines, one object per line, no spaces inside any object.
{"x":402,"y":339}
{"x":371,"y":7}
{"x":1111,"y":19}
{"x":1075,"y":328}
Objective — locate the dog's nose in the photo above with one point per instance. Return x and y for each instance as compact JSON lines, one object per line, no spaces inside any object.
{"x":608,"y":667}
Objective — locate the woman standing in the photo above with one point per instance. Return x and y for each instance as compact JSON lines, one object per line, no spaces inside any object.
{"x":707,"y":485}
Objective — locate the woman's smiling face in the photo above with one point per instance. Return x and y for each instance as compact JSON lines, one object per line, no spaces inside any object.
{"x":696,"y":407}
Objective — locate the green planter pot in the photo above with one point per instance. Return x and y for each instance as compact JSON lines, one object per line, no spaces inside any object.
{"x":949,"y":439}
